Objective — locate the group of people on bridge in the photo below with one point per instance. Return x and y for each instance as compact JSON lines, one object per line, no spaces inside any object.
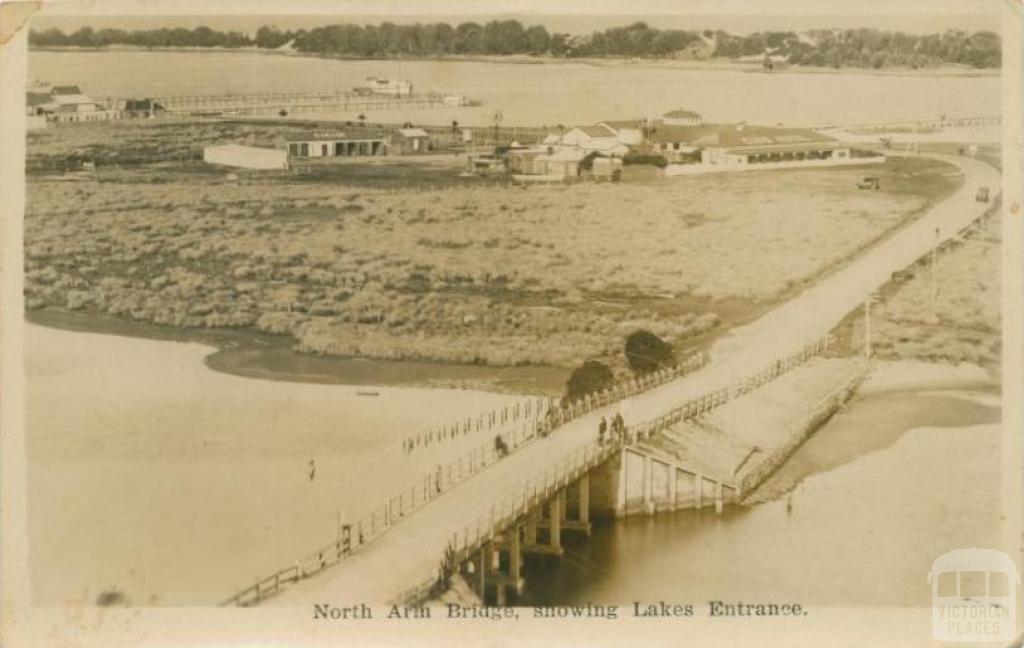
{"x":615,"y":434}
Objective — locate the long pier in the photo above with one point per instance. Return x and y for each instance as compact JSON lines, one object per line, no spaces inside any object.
{"x":251,"y":104}
{"x":522,"y":503}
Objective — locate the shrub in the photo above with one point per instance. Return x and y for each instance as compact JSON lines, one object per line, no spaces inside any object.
{"x":659,"y":161}
{"x":591,"y":376}
{"x":646,"y":352}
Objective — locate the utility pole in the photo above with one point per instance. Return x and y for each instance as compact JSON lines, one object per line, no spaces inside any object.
{"x":934,"y":286}
{"x":867,"y":326}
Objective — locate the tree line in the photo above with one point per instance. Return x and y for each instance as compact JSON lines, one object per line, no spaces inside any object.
{"x":864,"y":48}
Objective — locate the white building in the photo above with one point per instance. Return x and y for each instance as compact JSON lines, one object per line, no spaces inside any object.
{"x":246,"y":157}
{"x":599,"y":138}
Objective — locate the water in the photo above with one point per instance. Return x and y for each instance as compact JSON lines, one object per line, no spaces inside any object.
{"x":152,"y":475}
{"x":876,"y":496}
{"x":541,"y":94}
{"x":175,"y":485}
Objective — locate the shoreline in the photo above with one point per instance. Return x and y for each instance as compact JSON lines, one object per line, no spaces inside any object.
{"x":248,"y":353}
{"x":709,"y":65}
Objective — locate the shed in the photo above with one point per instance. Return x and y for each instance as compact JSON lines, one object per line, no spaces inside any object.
{"x":246,"y":157}
{"x":564,"y":163}
{"x":411,"y":140}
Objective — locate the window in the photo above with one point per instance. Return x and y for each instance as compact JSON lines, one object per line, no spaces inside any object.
{"x":293,"y":149}
{"x":972,"y":583}
{"x":998,"y":584}
{"x":304,"y":150}
{"x":323,"y":150}
{"x":947,"y":584}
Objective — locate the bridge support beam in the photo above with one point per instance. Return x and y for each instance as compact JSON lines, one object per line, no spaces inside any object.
{"x":648,"y":484}
{"x":481,"y":568}
{"x":718,"y":497}
{"x":583,"y":489}
{"x":698,"y":490}
{"x":555,"y":512}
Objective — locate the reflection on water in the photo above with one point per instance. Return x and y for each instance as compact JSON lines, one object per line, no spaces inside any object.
{"x":873,"y":505}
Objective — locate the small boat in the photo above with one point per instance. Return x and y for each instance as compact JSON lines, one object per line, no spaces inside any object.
{"x":367,"y":393}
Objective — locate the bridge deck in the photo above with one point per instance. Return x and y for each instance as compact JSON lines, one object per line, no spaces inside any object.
{"x":410,"y":552}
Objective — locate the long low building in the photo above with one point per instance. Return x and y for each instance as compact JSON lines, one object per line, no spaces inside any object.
{"x":246,"y":157}
{"x":323,"y":144}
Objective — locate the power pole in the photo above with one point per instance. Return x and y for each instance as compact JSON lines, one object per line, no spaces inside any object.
{"x":934,"y":286}
{"x":867,"y":326}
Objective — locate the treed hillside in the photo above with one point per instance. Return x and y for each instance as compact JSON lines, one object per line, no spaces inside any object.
{"x":864,"y":48}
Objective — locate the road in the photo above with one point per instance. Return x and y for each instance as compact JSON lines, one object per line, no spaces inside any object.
{"x":409,"y":553}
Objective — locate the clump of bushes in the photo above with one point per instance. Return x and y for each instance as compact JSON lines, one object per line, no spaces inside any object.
{"x":646,"y":352}
{"x":592,"y":376}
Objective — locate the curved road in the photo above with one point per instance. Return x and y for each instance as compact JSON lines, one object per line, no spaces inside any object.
{"x":409,"y":553}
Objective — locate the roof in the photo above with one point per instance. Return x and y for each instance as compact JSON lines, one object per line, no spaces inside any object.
{"x":619,"y":124}
{"x":681,"y":114}
{"x":597,"y":130}
{"x":786,"y":148}
{"x":240,"y":148}
{"x":72,"y":99}
{"x":33,"y":99}
{"x":332,"y":136}
{"x":65,"y":90}
{"x":412,"y":132}
{"x":974,"y":559}
{"x":731,"y":135}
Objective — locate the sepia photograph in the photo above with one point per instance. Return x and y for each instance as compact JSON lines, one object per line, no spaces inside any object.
{"x":503,"y":323}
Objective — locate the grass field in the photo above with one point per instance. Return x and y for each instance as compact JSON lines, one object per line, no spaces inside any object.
{"x":445,"y":270}
{"x":958,"y":321}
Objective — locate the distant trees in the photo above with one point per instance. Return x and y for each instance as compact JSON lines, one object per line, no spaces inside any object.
{"x":592,"y":376}
{"x":868,"y":48}
{"x":647,"y":352}
{"x":179,"y":37}
{"x":864,"y":48}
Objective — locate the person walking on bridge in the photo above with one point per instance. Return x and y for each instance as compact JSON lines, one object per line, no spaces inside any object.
{"x":602,"y":427}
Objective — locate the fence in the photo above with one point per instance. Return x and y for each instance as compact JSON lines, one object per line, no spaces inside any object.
{"x":582,"y":460}
{"x":383,"y":517}
{"x":805,"y":422}
{"x":525,"y":410}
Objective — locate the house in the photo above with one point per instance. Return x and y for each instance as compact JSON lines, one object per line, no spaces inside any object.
{"x":326,"y":144}
{"x":560,"y":163}
{"x":140,"y":108}
{"x":681,"y":118}
{"x":630,"y":132}
{"x":65,"y":104}
{"x":246,"y":157}
{"x":39,"y":103}
{"x":599,"y":138}
{"x":410,"y":140}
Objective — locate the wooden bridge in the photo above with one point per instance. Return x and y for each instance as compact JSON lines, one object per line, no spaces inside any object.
{"x":483,"y":516}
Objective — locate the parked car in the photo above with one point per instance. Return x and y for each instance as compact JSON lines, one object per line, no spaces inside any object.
{"x":982,"y":194}
{"x":869,"y":182}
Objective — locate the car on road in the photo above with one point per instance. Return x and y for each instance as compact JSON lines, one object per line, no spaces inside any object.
{"x":869,"y":182}
{"x":982,"y":195}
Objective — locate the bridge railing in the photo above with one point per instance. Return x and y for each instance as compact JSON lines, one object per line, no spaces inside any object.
{"x":525,"y":411}
{"x":396,"y":508}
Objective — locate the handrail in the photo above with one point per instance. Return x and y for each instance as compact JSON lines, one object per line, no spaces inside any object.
{"x":367,"y":528}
